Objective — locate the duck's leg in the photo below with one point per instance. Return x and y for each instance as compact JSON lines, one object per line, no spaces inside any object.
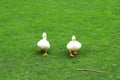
{"x":75,"y":52}
{"x":45,"y":54}
{"x":71,"y":55}
{"x":39,"y":49}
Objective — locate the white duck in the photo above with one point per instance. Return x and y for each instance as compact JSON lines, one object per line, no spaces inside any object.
{"x":73,"y":46}
{"x":43,"y":44}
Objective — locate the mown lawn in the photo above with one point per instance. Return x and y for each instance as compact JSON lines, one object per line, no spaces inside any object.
{"x":94,"y":22}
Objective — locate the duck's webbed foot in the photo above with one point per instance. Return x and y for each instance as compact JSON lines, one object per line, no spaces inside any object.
{"x":75,"y":52}
{"x":45,"y":54}
{"x":71,"y":55}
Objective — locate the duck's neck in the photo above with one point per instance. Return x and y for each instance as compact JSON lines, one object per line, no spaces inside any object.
{"x":73,"y":40}
{"x":44,"y":38}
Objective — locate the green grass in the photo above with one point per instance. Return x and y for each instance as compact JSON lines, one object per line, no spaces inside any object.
{"x":94,"y":22}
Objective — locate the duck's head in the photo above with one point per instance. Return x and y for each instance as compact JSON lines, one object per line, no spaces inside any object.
{"x":44,"y":35}
{"x":73,"y":38}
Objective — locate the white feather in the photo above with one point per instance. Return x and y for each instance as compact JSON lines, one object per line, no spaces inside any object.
{"x":43,"y":43}
{"x":73,"y":45}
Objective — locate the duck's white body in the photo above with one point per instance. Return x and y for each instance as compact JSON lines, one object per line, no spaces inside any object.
{"x":73,"y":45}
{"x":43,"y":44}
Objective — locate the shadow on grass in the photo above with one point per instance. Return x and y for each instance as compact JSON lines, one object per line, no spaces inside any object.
{"x":81,"y":53}
{"x":64,"y":53}
{"x":40,"y":53}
